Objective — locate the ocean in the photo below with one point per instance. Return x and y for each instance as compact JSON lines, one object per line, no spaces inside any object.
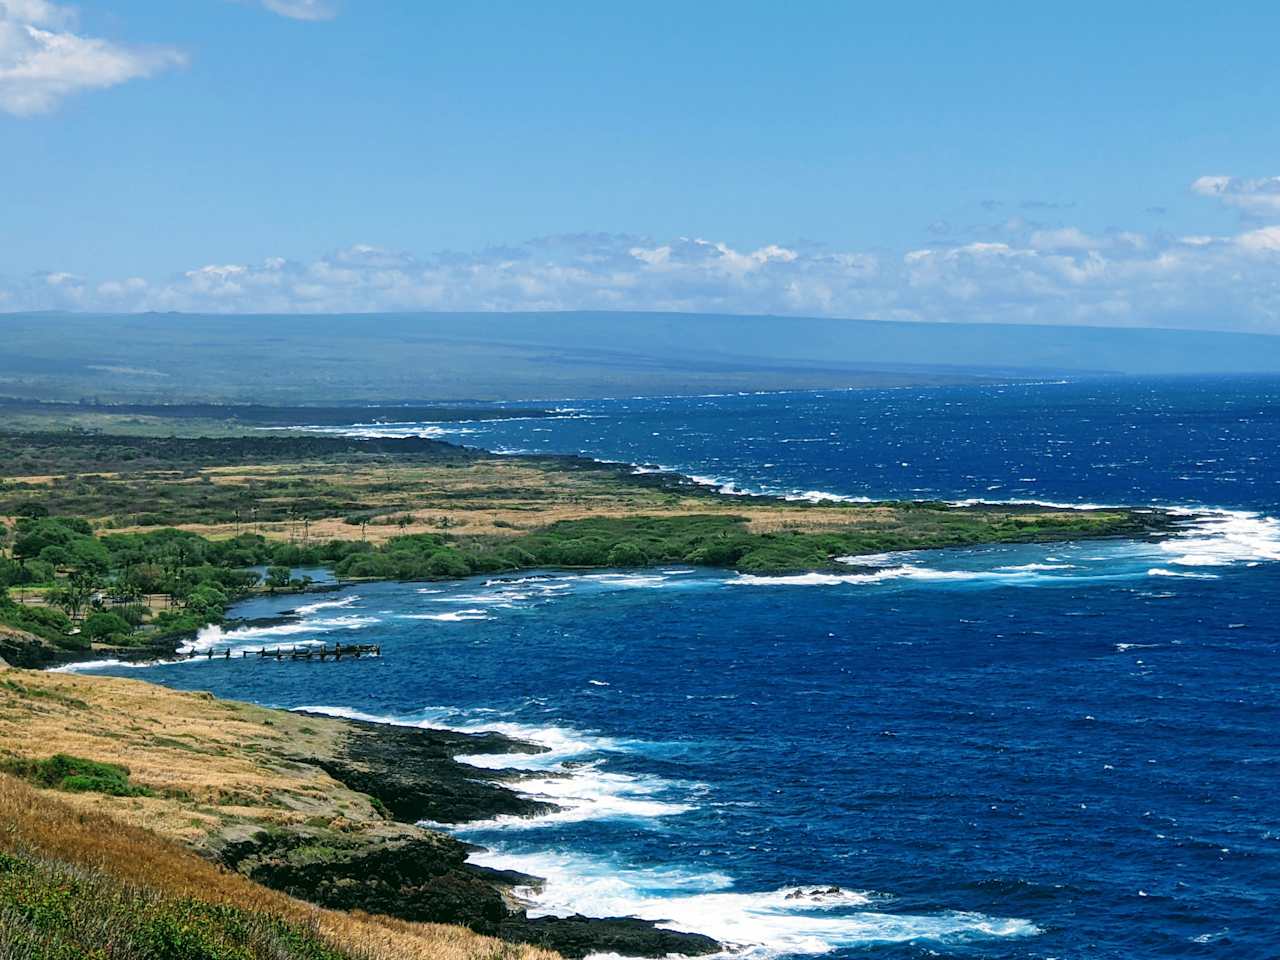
{"x":1066,"y":750}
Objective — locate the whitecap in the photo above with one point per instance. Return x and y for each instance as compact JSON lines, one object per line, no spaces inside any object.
{"x":1161,"y":572}
{"x":626,"y":579}
{"x":1036,"y":567}
{"x":310,"y":608}
{"x":583,"y":792}
{"x":453,"y":616}
{"x":83,"y":665}
{"x":1222,"y":537}
{"x":788,"y":920}
{"x":836,"y":579}
{"x":823,"y":496}
{"x":580,"y":790}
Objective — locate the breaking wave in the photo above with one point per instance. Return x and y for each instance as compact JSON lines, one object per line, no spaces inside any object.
{"x":789,"y":920}
{"x":214,"y":636}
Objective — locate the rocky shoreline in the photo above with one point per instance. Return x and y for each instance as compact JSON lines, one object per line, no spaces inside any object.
{"x":403,"y":871}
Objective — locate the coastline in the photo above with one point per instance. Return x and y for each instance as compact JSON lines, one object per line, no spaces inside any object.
{"x":392,"y":862}
{"x":323,"y":809}
{"x":410,"y":775}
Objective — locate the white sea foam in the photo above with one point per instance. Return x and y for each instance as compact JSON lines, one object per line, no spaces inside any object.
{"x":1221,"y":537}
{"x":427,"y":429}
{"x":626,"y":580}
{"x":214,"y":636}
{"x":560,"y":743}
{"x":720,"y":485}
{"x":874,"y":559}
{"x":1036,"y":567}
{"x":583,"y":792}
{"x":1162,"y":572}
{"x":822,"y":496}
{"x":790,"y":920}
{"x":85,"y":665}
{"x":506,"y":597}
{"x":308,"y":609}
{"x":1024,"y":502}
{"x":383,"y":431}
{"x":453,"y":616}
{"x":906,"y":572}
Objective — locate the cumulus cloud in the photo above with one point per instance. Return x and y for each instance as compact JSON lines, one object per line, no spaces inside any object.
{"x":1258,"y":197}
{"x":1019,"y":272}
{"x":303,"y":9}
{"x":43,"y":60}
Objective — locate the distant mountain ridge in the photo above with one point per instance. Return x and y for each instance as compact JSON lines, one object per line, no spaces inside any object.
{"x":540,"y":355}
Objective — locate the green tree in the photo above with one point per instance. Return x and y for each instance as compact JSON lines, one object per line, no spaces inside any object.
{"x":75,"y":592}
{"x":447,"y":563}
{"x":627,"y":554}
{"x":207,"y":601}
{"x":104,"y":625}
{"x":277,"y":578}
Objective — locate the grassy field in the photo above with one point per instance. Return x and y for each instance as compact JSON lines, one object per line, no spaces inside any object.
{"x":312,"y":488}
{"x":163,"y":530}
{"x":87,"y":874}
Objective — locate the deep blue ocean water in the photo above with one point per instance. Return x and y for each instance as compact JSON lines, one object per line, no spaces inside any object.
{"x":1062,"y":750}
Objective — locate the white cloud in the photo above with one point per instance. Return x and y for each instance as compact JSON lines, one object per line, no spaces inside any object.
{"x":1066,"y":238}
{"x":1228,"y":283}
{"x":1015,"y":272}
{"x":303,"y":9}
{"x":1265,"y":241}
{"x":39,"y":13}
{"x":42,"y":60}
{"x":1258,"y":197}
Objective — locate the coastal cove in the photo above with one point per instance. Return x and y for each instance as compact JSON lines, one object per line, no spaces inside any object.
{"x":664,"y":764}
{"x":741,"y":753}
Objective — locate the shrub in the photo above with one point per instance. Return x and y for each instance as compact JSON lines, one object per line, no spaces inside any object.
{"x":76,"y":774}
{"x":627,"y":554}
{"x":447,"y":563}
{"x":105,"y":625}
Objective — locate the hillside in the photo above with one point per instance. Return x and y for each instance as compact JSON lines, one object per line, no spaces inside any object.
{"x":503,"y":356}
{"x":244,"y":827}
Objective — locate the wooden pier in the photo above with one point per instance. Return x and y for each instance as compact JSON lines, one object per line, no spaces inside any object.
{"x":336,"y":653}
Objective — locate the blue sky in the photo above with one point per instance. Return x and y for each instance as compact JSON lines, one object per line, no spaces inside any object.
{"x":1102,"y":163}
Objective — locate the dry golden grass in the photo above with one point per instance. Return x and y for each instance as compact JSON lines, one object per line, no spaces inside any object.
{"x":502,"y":497}
{"x":213,"y":763}
{"x":218,"y":768}
{"x":45,"y":824}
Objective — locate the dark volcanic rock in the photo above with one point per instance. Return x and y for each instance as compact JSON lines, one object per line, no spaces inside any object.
{"x":413,"y":773}
{"x":20,"y":649}
{"x":423,"y":875}
{"x":578,"y":936}
{"x":29,"y":652}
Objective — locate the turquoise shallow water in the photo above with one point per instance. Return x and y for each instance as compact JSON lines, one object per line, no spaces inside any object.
{"x":1064,"y":750}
